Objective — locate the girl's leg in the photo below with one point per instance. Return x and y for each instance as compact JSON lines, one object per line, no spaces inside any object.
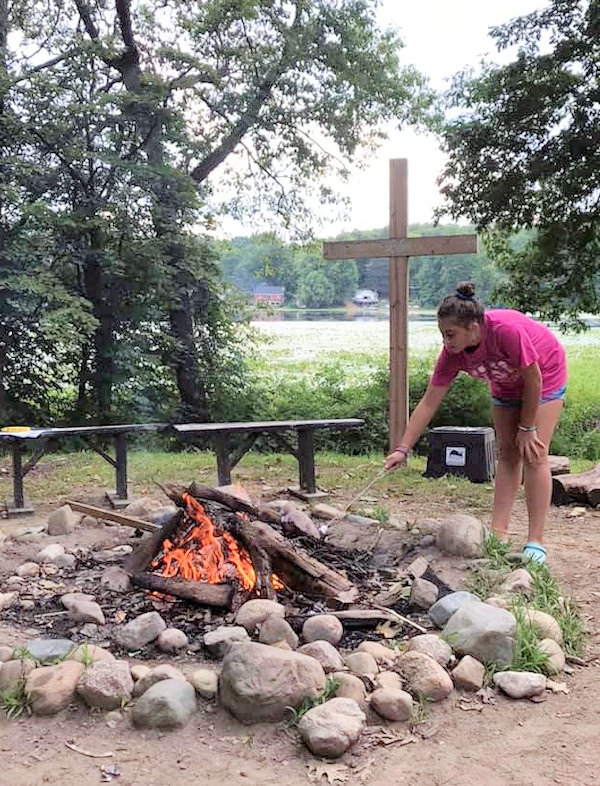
{"x":509,"y":470}
{"x":537,"y":478}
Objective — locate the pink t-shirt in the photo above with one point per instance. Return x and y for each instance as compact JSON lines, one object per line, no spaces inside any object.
{"x":510,"y":341}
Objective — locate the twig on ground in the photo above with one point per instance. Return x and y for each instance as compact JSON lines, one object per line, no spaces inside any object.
{"x":83,"y":752}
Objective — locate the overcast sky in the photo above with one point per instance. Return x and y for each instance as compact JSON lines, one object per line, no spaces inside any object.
{"x":441,"y":37}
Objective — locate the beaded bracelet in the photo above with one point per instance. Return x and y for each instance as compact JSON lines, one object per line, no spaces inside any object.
{"x":527,"y":429}
{"x":401,"y":449}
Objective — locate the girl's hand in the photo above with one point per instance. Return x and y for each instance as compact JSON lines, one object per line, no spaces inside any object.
{"x":395,"y":459}
{"x":530,"y":445}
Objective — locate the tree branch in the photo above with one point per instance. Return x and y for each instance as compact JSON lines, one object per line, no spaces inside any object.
{"x":249,"y":117}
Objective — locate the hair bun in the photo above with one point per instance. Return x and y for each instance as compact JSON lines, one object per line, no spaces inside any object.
{"x":466,"y":289}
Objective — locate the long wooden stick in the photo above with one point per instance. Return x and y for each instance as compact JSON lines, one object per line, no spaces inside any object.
{"x":109,"y":515}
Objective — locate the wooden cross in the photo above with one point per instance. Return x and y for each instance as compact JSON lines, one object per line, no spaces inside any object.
{"x":399,"y":248}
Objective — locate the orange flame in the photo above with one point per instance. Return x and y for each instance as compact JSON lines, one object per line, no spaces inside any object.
{"x":200,"y":556}
{"x":276,"y":582}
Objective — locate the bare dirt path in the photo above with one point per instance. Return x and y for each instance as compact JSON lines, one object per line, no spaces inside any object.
{"x":507,"y":744}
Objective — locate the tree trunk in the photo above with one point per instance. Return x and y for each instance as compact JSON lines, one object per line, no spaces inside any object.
{"x":583,"y":487}
{"x":102,"y":308}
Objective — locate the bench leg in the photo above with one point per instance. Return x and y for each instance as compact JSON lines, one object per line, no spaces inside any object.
{"x":120,"y":499}
{"x":223,"y":459}
{"x":306,"y":460}
{"x":18,"y":506}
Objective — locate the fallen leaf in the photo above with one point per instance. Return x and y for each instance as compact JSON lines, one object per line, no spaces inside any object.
{"x":388,"y":629}
{"x":557,"y":687}
{"x":335,"y":773}
{"x":577,"y":511}
{"x":119,"y":617}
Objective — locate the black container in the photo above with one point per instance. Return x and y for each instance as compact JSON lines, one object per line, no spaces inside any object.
{"x":468,"y":452}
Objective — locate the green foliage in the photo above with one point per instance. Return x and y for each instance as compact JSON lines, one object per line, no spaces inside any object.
{"x":297,"y":713}
{"x":547,"y":597}
{"x":111,"y":302}
{"x":528,"y":655}
{"x":523,"y":153}
{"x":15,"y":702}
{"x":381,"y":513}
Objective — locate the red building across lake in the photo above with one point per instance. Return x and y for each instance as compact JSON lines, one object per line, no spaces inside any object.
{"x":269,"y":294}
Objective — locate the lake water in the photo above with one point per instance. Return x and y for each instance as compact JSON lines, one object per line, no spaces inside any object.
{"x":359,"y":340}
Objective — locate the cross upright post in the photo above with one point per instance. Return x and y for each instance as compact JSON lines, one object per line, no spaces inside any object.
{"x":399,"y":248}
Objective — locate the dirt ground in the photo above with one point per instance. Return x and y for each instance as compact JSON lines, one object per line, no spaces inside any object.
{"x":509,"y":743}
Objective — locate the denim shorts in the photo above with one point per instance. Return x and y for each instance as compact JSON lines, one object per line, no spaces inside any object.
{"x":515,"y":403}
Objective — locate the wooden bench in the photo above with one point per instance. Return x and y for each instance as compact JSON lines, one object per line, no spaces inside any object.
{"x":303,"y":449}
{"x":41,"y":437}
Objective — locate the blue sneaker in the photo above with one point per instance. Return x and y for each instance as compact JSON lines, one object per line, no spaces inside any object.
{"x":535,"y":552}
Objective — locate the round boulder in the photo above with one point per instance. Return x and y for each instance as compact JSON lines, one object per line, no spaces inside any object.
{"x":323,"y":627}
{"x":331,"y":728}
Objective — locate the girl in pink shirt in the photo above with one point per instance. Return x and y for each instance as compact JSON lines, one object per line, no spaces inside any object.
{"x":527,"y":371}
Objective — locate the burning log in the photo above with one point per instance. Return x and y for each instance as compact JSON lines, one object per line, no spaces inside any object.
{"x":294,"y":566}
{"x":216,"y":595}
{"x":230,"y":546}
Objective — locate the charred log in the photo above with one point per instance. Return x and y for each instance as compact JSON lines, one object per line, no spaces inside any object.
{"x":216,"y":595}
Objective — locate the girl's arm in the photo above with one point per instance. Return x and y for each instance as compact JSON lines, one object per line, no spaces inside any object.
{"x":418,"y":422}
{"x":528,"y":441}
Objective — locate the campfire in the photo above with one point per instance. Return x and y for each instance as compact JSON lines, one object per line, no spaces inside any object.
{"x":219,"y":551}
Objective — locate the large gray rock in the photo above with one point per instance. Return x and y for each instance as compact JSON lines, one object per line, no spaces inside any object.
{"x":331,"y":728}
{"x":431,"y":645}
{"x":461,"y":535}
{"x":52,"y":688}
{"x":444,"y":608}
{"x":323,"y":627}
{"x":218,"y":641}
{"x":71,"y":598}
{"x":106,"y":684}
{"x":258,"y":682}
{"x":361,"y":663}
{"x":520,"y":684}
{"x":327,"y":655}
{"x":48,"y":650}
{"x":388,"y":679}
{"x":62,"y":521}
{"x":425,"y":676}
{"x":391,"y":704}
{"x":483,"y":631}
{"x":141,"y":631}
{"x":168,"y":704}
{"x":254,"y":612}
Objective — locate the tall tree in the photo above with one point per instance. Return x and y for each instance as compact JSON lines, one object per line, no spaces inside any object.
{"x":253,"y":85}
{"x":525,"y":152}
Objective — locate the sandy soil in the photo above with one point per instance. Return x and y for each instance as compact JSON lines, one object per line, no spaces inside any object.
{"x":510,"y":743}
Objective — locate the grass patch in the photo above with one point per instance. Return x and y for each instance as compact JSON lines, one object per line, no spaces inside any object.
{"x":380,"y":513}
{"x":528,"y":654}
{"x":547,"y":597}
{"x":421,"y":710}
{"x":297,"y":713}
{"x":16,"y":702}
